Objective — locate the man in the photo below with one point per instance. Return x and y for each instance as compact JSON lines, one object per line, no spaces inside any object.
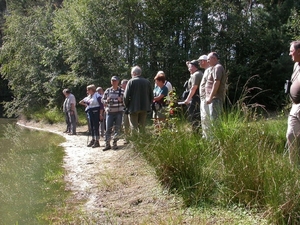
{"x":126,"y":124}
{"x":114,"y":108}
{"x":204,"y":110}
{"x":69,"y":108}
{"x":193,"y":98}
{"x":138,"y":97}
{"x":293,"y":129}
{"x":215,"y":86}
{"x":102,"y":122}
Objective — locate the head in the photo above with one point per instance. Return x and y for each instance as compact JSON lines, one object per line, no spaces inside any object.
{"x":295,"y":51}
{"x":136,"y":71}
{"x":193,"y":66}
{"x":91,"y":89}
{"x":203,"y":61}
{"x":100,"y":90}
{"x":114,"y":81}
{"x":124,"y":83}
{"x":213,"y":59}
{"x":66,"y":92}
{"x":160,"y":79}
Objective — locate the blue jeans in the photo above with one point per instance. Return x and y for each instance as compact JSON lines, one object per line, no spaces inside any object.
{"x":94,"y":116}
{"x":113,"y":120}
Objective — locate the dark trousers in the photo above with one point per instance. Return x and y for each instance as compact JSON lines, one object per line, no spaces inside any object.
{"x":94,"y":117}
{"x":194,"y":113}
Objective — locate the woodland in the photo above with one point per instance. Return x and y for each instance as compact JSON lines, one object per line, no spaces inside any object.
{"x":47,"y":46}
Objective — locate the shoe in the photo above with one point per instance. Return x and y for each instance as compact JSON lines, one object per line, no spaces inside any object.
{"x":66,"y":131}
{"x":114,"y":147}
{"x":72,"y":134}
{"x":91,"y":143}
{"x":96,"y":144}
{"x":107,"y":146}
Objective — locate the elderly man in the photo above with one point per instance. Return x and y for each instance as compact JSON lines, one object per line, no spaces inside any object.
{"x":193,"y":98}
{"x":114,"y":108}
{"x":138,"y":97}
{"x":204,"y":110}
{"x":215,"y":86}
{"x":69,"y":108}
{"x":293,"y":129}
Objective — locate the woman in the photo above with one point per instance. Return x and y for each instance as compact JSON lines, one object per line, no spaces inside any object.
{"x":95,"y":113}
{"x":160,"y":93}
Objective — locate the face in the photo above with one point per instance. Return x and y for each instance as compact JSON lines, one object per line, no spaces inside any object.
{"x":295,"y":54}
{"x":159,"y":83}
{"x":212,"y":60}
{"x":124,"y":85}
{"x":202,"y":63}
{"x":114,"y":83}
{"x":192,"y":68}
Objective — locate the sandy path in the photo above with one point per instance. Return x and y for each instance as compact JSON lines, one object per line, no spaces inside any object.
{"x":112,"y":187}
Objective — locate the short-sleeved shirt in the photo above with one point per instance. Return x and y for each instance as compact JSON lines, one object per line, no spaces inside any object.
{"x":202,"y":84}
{"x":157,"y":91}
{"x":216,"y":72}
{"x":295,"y":87}
{"x":195,"y":79}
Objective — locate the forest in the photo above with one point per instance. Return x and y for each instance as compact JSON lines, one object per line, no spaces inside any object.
{"x":47,"y":46}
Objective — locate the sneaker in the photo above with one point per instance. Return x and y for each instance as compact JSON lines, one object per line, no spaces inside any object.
{"x":96,"y":144}
{"x":91,"y":143}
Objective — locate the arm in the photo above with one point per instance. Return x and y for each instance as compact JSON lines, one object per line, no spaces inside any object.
{"x":191,"y":94}
{"x":214,"y":90}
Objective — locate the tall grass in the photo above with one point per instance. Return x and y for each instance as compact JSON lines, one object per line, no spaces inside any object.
{"x":244,"y":164}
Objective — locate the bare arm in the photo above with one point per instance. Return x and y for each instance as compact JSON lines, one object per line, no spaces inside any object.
{"x":191,"y":94}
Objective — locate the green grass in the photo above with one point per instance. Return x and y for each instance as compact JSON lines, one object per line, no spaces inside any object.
{"x":244,"y":165}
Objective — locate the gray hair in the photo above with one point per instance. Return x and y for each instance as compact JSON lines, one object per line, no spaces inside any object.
{"x":295,"y":44}
{"x":136,"y":71}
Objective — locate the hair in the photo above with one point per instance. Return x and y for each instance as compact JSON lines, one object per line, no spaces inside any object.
{"x":124,"y":81}
{"x":91,"y":87}
{"x":136,"y":71}
{"x":160,"y":77}
{"x":296,"y":44}
{"x":67,"y":91}
{"x":215,"y":55}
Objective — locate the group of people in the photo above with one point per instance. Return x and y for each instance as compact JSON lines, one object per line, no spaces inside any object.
{"x":129,"y":102}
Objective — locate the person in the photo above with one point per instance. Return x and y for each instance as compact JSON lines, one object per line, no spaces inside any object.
{"x":125,"y":120}
{"x":293,"y":128}
{"x":215,"y":88}
{"x":160,"y":92}
{"x":114,"y":108}
{"x":95,"y":112}
{"x":168,"y":85}
{"x":204,"y":110}
{"x":102,"y":122}
{"x":138,"y":97}
{"x":193,"y":98}
{"x":84,"y":102}
{"x":69,"y":108}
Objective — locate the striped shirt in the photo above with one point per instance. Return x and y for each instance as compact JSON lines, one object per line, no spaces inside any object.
{"x":111,"y":99}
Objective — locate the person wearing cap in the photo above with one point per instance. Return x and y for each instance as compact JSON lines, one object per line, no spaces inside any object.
{"x":215,"y":86}
{"x":193,"y":98}
{"x":114,"y":108}
{"x":138,"y":97}
{"x":69,"y":108}
{"x":102,"y":122}
{"x":204,"y":110}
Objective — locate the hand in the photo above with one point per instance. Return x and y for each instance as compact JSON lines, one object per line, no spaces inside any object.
{"x":208,"y":100}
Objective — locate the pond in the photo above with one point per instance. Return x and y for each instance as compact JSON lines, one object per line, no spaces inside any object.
{"x":31,"y":174}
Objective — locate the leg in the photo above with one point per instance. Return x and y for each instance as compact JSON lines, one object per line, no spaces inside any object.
{"x":293,"y":139}
{"x":204,"y":112}
{"x":142,"y":117}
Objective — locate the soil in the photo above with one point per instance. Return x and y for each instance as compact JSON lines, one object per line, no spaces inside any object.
{"x":115,"y":186}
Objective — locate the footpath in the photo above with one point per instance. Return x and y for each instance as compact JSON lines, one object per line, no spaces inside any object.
{"x":115,"y":186}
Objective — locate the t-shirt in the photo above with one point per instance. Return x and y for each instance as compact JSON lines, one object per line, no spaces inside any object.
{"x":195,"y":79}
{"x":157,"y":91}
{"x":217,"y":72}
{"x":113,"y":105}
{"x":202,"y":84}
{"x":295,"y":87}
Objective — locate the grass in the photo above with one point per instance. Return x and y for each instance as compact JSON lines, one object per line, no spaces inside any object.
{"x":244,"y":165}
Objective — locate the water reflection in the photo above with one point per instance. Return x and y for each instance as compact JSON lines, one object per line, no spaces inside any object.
{"x":28,"y":160}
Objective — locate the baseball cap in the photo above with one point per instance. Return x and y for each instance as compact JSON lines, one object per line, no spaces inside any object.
{"x":114,"y":78}
{"x":203,"y":57}
{"x":195,"y":63}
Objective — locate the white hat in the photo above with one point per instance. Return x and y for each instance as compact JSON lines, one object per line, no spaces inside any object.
{"x":203,"y":57}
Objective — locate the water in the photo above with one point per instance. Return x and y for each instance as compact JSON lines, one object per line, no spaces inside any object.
{"x":31,"y":175}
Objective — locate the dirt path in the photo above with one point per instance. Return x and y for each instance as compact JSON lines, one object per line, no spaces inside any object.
{"x":113,"y":187}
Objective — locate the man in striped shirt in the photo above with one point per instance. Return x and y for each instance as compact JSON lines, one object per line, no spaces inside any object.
{"x":114,"y":108}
